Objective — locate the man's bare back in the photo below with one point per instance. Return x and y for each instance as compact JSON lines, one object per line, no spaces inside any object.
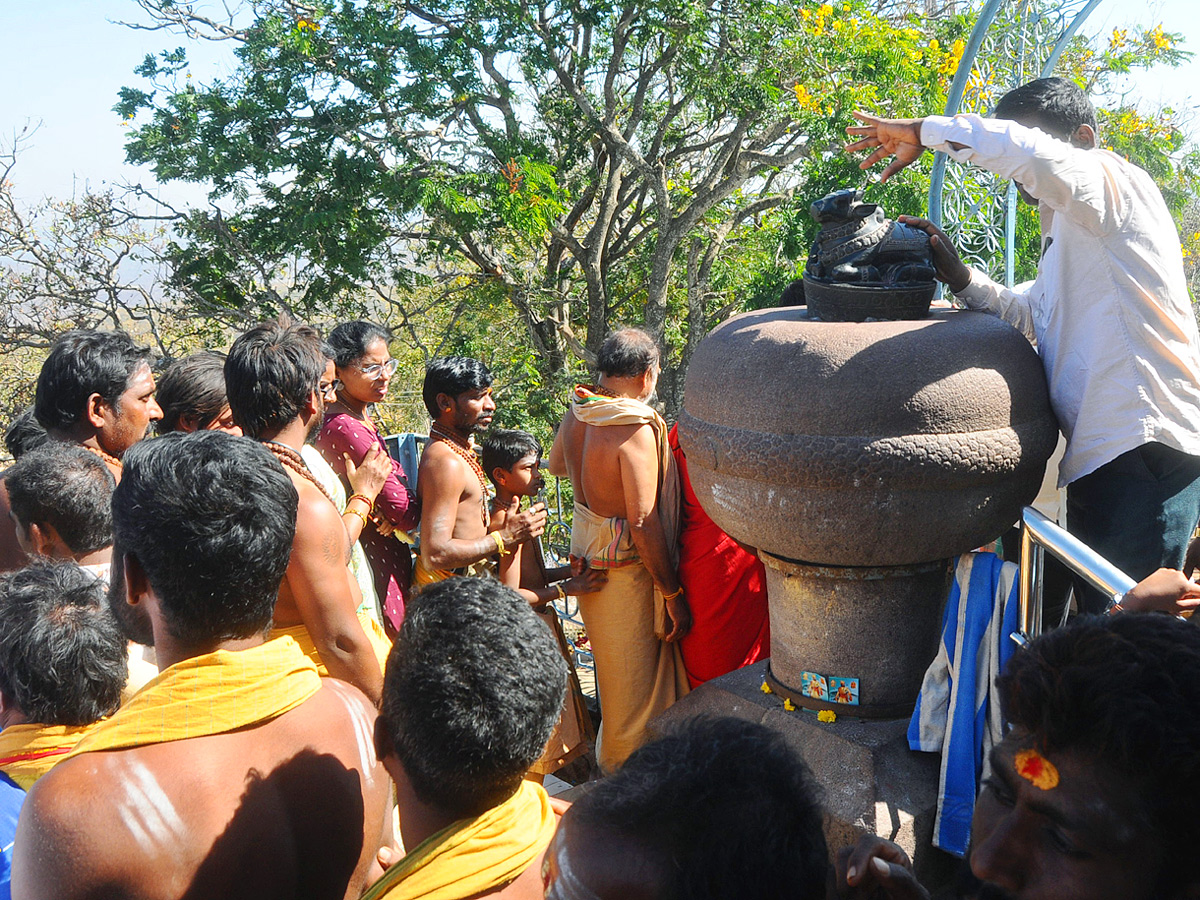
{"x":276,"y":810}
{"x":592,"y":457}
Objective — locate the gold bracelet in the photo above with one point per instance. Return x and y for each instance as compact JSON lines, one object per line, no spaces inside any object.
{"x":355,"y":512}
{"x":562,"y":595}
{"x":678,"y":593}
{"x":363,"y":497}
{"x":500,"y":544}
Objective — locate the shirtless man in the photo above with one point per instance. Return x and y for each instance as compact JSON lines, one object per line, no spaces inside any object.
{"x":273,"y":379}
{"x":451,"y":483}
{"x":239,"y":773}
{"x":614,"y":448}
{"x":458,"y":764}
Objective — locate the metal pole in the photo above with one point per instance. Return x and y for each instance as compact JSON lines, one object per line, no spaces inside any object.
{"x":954,"y":99}
{"x":1038,"y":532}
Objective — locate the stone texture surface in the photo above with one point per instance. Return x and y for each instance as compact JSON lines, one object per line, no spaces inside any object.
{"x":880,"y":625}
{"x":870,"y":444}
{"x":873,"y":783}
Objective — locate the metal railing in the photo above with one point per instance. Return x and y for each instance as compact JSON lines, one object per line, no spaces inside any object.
{"x":1039,"y":535}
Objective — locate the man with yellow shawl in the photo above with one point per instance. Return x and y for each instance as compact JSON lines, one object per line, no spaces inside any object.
{"x":273,"y":381}
{"x":626,"y":521}
{"x":62,"y":667}
{"x":474,"y":687}
{"x":238,"y":772}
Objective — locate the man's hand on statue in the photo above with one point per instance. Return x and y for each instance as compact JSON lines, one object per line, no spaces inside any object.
{"x":679,"y":618}
{"x":1166,"y":590}
{"x":875,"y":868}
{"x":521,"y":526}
{"x":587,"y":582}
{"x":898,"y":138}
{"x":950,"y":268}
{"x":369,"y":476}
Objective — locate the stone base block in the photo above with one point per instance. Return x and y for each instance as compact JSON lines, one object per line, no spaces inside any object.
{"x":873,"y":783}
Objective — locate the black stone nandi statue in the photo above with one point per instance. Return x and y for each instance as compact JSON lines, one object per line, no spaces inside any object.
{"x":858,"y":245}
{"x":863,"y":265}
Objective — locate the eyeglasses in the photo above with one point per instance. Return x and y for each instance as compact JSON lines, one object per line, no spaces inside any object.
{"x":376,"y":369}
{"x":331,"y":388}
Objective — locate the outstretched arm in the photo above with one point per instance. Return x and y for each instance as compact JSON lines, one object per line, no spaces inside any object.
{"x":896,"y":138}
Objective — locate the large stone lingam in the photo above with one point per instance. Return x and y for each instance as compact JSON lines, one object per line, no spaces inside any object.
{"x":859,"y":457}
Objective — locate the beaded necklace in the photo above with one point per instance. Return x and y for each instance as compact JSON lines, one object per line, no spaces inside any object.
{"x":294,"y":461}
{"x":464,"y":450}
{"x":107,"y":457}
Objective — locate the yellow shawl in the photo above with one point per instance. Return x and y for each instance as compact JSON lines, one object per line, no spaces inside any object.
{"x":474,"y":855}
{"x":592,"y":408}
{"x":27,"y":752}
{"x":374,"y":631}
{"x":211,"y":694}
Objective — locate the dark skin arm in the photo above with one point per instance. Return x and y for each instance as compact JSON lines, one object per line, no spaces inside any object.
{"x":442,"y":485}
{"x":640,"y":483}
{"x":321,"y":587}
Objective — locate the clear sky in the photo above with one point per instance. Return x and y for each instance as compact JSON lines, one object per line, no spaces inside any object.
{"x":64,"y":60}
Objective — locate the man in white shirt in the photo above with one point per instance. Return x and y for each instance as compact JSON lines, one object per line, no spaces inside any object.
{"x":1109,"y":312}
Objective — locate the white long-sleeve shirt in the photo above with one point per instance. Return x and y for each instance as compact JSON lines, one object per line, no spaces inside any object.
{"x":1109,"y":309}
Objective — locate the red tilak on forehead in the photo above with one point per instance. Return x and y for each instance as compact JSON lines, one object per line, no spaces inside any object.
{"x":1036,"y":769}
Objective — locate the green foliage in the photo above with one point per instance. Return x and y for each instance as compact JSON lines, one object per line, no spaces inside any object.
{"x":509,"y":179}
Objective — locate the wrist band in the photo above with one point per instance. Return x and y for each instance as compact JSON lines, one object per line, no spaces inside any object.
{"x":672,"y":596}
{"x":363,"y":497}
{"x":1114,"y":605}
{"x":500,"y":544}
{"x":355,"y":512}
{"x":562,"y":595}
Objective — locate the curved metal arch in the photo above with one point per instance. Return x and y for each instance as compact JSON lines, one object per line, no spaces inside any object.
{"x":954,"y":99}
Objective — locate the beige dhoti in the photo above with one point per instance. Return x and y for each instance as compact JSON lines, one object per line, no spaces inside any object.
{"x":637,"y":675}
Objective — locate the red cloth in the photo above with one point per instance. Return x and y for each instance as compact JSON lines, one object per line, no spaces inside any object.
{"x":725,"y":587}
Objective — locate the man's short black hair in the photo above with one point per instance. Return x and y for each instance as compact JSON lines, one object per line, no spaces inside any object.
{"x":1123,"y":691}
{"x":503,"y":448}
{"x":627,"y":353}
{"x":271,"y":372}
{"x":24,"y":434}
{"x":82,"y":363}
{"x":452,"y":376}
{"x":192,"y":388}
{"x":725,"y":804}
{"x":210,"y":517}
{"x":63,"y":660}
{"x":65,"y":485}
{"x":474,"y":686}
{"x":351,"y":340}
{"x":1055,"y":105}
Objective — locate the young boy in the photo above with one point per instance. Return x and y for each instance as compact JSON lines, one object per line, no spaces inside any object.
{"x":512,"y":460}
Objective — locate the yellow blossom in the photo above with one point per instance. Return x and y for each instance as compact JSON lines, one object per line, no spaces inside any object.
{"x":826,"y":10}
{"x":806,"y":100}
{"x":1118,"y":39}
{"x":766,"y":688}
{"x":1160,"y":40}
{"x":827,"y":715}
{"x":789,"y":705}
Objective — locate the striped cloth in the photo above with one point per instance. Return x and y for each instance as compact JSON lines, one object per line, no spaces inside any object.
{"x":958,"y":710}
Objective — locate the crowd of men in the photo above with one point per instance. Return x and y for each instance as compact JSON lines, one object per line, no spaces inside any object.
{"x":222,"y":676}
